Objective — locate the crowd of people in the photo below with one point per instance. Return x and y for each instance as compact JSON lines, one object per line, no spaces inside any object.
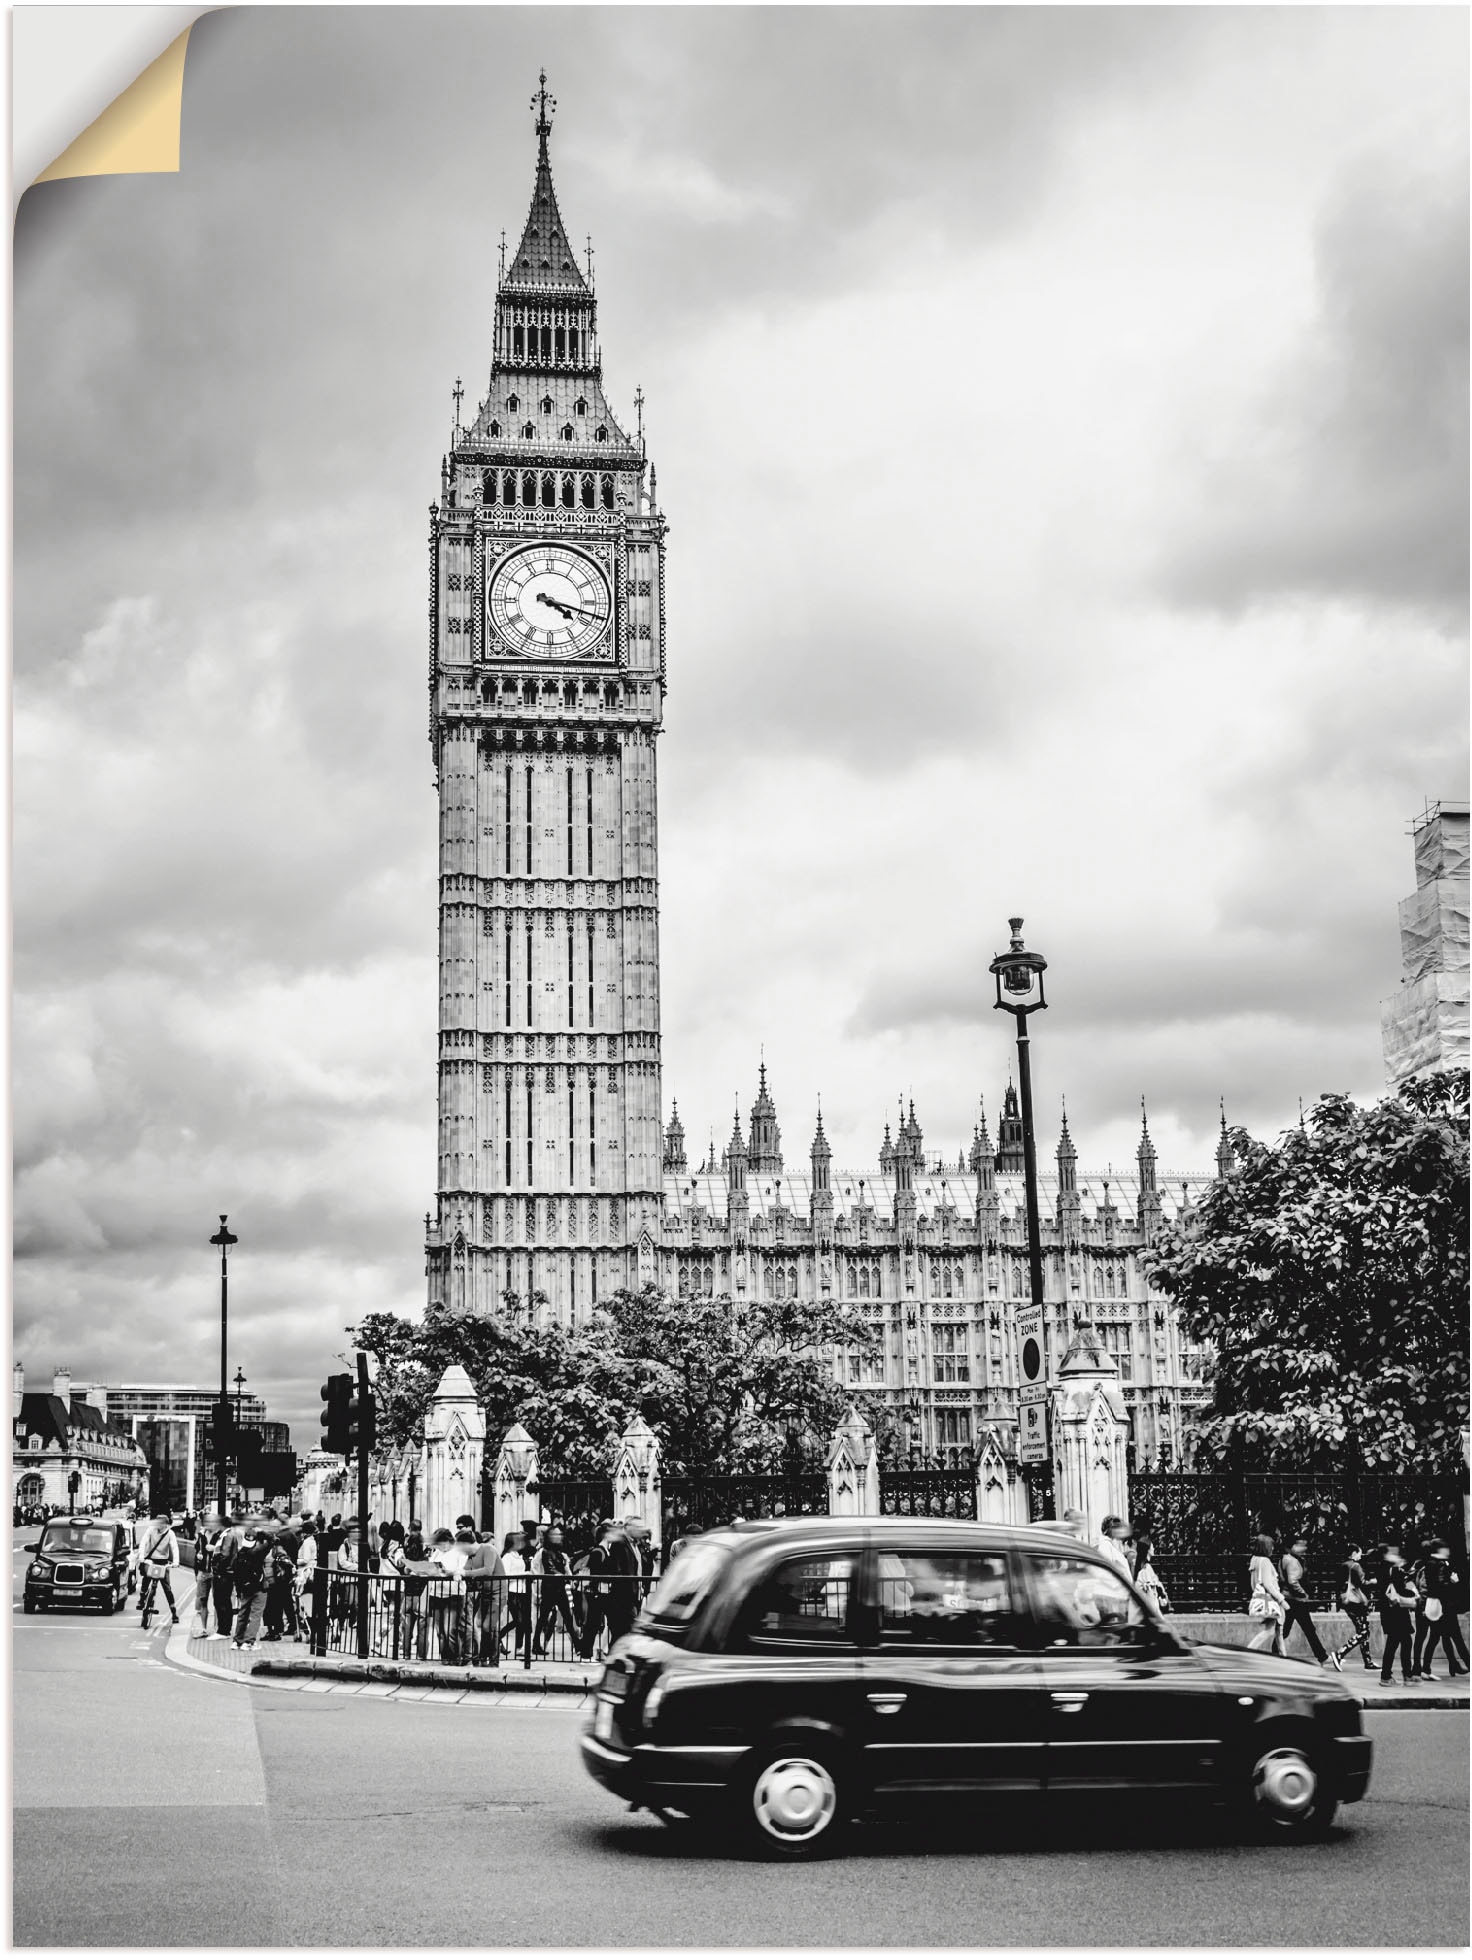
{"x":1418,"y":1603}
{"x":475,"y":1601}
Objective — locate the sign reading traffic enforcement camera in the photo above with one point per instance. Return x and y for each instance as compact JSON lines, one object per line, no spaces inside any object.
{"x":1032,"y":1432}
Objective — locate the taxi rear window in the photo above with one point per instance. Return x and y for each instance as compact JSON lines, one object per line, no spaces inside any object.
{"x":691,"y":1574}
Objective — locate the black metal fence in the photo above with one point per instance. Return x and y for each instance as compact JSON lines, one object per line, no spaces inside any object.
{"x":578,"y":1505}
{"x":1203,"y":1524}
{"x":928,"y":1490}
{"x":514,"y":1621}
{"x":796,"y":1491}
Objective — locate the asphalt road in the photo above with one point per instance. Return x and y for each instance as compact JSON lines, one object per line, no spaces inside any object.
{"x":155,"y":1807}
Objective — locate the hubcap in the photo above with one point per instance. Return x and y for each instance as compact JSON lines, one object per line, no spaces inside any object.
{"x":795,"y":1799}
{"x":1285,"y":1784}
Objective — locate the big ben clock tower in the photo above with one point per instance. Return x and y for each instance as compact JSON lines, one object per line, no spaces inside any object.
{"x":546,"y":675}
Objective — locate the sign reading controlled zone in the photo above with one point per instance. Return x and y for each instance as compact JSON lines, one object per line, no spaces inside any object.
{"x":1032,"y":1414}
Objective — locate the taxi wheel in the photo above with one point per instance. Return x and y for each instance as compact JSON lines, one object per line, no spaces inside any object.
{"x":28,"y":1605}
{"x":109,"y":1605}
{"x":797,"y":1800}
{"x":1288,"y":1793}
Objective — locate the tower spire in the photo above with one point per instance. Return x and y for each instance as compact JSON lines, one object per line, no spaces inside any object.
{"x":545,"y":106}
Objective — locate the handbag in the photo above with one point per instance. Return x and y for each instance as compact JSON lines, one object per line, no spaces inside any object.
{"x":1352,"y":1596}
{"x":1433,"y":1610}
{"x":1257,"y":1606}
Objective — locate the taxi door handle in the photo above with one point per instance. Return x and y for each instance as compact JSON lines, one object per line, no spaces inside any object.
{"x":887,"y":1704}
{"x":1069,"y":1704}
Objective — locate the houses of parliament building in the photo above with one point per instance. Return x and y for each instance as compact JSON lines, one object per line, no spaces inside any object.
{"x":557,"y":1175}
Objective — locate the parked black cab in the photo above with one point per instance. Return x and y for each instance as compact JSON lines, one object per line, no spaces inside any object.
{"x":78,"y":1562}
{"x":795,"y":1674}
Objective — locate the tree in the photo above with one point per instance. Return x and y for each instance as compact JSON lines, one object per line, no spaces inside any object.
{"x":1329,"y":1272}
{"x":722,"y":1387}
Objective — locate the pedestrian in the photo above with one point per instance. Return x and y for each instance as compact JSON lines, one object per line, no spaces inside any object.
{"x":201,"y":1628}
{"x":679,"y":1544}
{"x":224,"y":1550}
{"x":1147,"y":1580}
{"x":625,"y":1573}
{"x":485,"y":1602}
{"x":1354,"y":1603}
{"x":1296,"y":1594}
{"x":1443,"y":1593}
{"x":1075,"y":1524}
{"x":1110,"y":1542}
{"x":157,"y":1555}
{"x":280,"y":1577}
{"x":1398,"y":1597}
{"x":306,"y":1572}
{"x":405,"y":1559}
{"x":251,"y":1581}
{"x":598,"y":1573}
{"x":448,"y":1600}
{"x":554,"y":1602}
{"x":518,"y":1602}
{"x":1266,"y":1602}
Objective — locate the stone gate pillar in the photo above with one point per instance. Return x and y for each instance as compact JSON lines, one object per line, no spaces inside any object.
{"x":1090,"y":1430}
{"x":1001,"y":1496}
{"x":853,"y":1469}
{"x":516,"y":1467}
{"x":454,"y":1449}
{"x":636,"y":1486}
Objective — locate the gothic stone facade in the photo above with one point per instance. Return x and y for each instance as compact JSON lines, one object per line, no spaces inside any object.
{"x":936,"y":1257}
{"x":547,"y":677}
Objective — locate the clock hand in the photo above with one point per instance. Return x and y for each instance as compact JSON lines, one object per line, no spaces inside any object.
{"x":544,"y":599}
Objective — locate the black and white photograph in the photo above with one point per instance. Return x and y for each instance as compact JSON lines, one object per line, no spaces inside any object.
{"x":740,"y":977}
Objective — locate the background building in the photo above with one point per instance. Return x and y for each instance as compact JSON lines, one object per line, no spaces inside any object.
{"x":171,"y":1422}
{"x":69,"y":1432}
{"x":1424,"y":1025}
{"x":936,"y":1256}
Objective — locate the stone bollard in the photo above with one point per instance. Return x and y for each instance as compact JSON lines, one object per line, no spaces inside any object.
{"x":853,"y":1469}
{"x":454,"y":1449}
{"x":636,"y":1485}
{"x":516,"y":1468}
{"x":1090,"y":1430}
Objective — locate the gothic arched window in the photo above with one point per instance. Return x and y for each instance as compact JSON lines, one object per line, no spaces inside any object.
{"x":792,"y":1282}
{"x":560,"y":343}
{"x":572,"y":343}
{"x":495,"y":428}
{"x":546,"y":343}
{"x":546,"y":404}
{"x":600,"y":434}
{"x":864,"y":1283}
{"x":508,"y":487}
{"x":607,"y":488}
{"x":569,"y":491}
{"x":528,"y":487}
{"x":853,"y":1281}
{"x":516,"y":344}
{"x":529,"y":429}
{"x":580,"y":406}
{"x":513,"y":402}
{"x":588,"y":496}
{"x":567,"y":432}
{"x":684,"y":1281}
{"x":488,"y":485}
{"x":549,"y":488}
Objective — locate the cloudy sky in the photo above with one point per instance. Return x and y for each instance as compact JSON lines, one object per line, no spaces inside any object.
{"x":1062,"y":422}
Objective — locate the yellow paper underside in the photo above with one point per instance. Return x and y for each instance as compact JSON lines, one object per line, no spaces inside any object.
{"x":138,"y":132}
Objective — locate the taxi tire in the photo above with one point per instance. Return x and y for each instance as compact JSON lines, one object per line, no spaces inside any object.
{"x":1291,"y":1762}
{"x":27,"y":1604}
{"x":789,"y":1777}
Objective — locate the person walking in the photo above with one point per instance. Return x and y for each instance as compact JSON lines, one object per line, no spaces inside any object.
{"x":250,"y":1589}
{"x":224,"y":1551}
{"x":1266,"y":1602}
{"x":1296,"y":1594}
{"x":1353,"y":1595}
{"x":1443,"y":1595}
{"x":485,"y":1602}
{"x":556,"y":1571}
{"x":597,"y":1570}
{"x":1398,"y":1597}
{"x":157,"y":1556}
{"x":1111,"y":1543}
{"x":518,"y":1601}
{"x":625,"y":1570}
{"x":1147,"y":1580}
{"x":447,"y":1601}
{"x":202,"y":1594}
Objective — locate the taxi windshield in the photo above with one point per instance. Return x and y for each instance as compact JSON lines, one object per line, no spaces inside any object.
{"x":689,"y":1578}
{"x":77,"y":1538}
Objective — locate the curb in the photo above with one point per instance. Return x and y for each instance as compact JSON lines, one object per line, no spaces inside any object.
{"x":468,"y":1681}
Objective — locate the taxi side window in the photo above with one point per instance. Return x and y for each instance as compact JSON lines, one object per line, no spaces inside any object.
{"x":1080,"y":1604}
{"x":801,"y":1601}
{"x":949,"y":1599}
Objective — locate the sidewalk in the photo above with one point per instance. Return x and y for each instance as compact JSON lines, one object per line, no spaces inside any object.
{"x":289,"y":1664}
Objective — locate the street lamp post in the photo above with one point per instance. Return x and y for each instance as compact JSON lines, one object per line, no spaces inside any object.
{"x":224,"y":1239}
{"x":1019,"y":978}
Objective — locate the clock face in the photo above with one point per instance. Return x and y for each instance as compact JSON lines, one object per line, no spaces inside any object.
{"x":549,"y":601}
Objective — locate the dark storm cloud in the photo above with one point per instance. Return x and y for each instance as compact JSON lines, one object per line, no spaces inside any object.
{"x":1352,"y":479}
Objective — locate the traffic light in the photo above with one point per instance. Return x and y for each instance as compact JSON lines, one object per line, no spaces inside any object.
{"x":337,"y":1393}
{"x":361,"y":1419}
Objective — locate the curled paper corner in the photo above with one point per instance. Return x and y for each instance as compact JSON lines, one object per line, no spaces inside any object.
{"x":138,"y":132}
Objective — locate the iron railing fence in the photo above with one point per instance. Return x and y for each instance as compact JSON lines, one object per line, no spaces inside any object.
{"x":795,"y":1491}
{"x":1203,"y":1524}
{"x":932,"y":1492}
{"x":515,"y":1620}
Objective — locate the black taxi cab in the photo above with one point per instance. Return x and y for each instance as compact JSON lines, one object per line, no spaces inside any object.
{"x":792,"y":1675}
{"x":79,"y":1562}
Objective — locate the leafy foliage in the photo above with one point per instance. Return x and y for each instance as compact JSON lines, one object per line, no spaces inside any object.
{"x":1330,"y":1273}
{"x":723,"y":1387}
